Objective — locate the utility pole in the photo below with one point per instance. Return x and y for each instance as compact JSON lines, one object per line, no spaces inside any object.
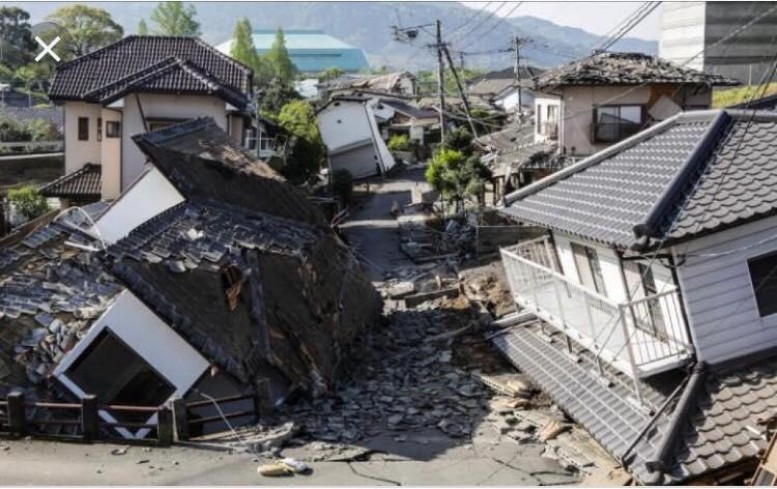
{"x":461,"y":61}
{"x":461,"y":92}
{"x":517,"y":78}
{"x":440,"y":78}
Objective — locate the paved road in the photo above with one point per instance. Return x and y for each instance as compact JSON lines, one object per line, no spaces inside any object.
{"x":372,"y":230}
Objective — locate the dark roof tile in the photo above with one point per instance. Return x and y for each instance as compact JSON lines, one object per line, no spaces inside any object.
{"x":83,"y":184}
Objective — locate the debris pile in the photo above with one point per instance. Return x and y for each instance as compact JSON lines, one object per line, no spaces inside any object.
{"x":423,"y":241}
{"x":405,"y":377}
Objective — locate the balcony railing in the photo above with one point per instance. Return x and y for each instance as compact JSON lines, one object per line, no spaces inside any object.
{"x":612,"y":132}
{"x":640,"y":338}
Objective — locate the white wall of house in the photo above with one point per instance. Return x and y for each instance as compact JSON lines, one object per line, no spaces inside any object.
{"x":161,"y":106}
{"x":343,"y":123}
{"x":151,"y":338}
{"x":77,"y":152}
{"x":111,"y":156}
{"x":508,"y":101}
{"x":719,"y":294}
{"x":608,"y":261}
{"x":577,"y":109}
{"x":146,"y":198}
{"x":346,"y":124}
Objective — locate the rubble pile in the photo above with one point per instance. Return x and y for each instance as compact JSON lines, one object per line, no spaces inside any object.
{"x":421,"y":241}
{"x":488,"y":286}
{"x":404,"y":378}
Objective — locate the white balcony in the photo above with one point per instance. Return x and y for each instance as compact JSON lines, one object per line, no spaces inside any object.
{"x":640,"y":338}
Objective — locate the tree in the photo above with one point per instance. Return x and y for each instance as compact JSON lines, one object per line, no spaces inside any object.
{"x":17,"y":44}
{"x":306,"y":150}
{"x":243,"y":48}
{"x":331,"y":74}
{"x":460,"y":140}
{"x":27,"y":75}
{"x":88,"y":28}
{"x":28,"y":201}
{"x":175,"y":19}
{"x":278,"y":58}
{"x":456,"y":176}
{"x":142,"y":28}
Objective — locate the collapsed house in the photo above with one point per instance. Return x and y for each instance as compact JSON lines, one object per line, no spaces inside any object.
{"x":648,"y":309}
{"x":231,"y":284}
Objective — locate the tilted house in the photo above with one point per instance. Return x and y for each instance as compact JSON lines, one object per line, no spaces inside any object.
{"x":500,"y":89}
{"x":232,"y":283}
{"x":650,"y":314}
{"x":135,"y":85}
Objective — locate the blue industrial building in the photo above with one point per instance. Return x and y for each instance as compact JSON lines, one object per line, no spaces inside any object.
{"x":311,"y":51}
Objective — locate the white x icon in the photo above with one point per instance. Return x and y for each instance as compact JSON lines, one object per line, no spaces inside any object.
{"x":47,"y":48}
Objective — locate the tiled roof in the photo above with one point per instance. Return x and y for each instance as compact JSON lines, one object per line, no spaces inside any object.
{"x":83,"y":184}
{"x":717,"y":166}
{"x":508,"y":139}
{"x":720,"y":425}
{"x":388,"y":83}
{"x":409,"y":110}
{"x":624,"y":69}
{"x":132,"y":55}
{"x":199,"y":159}
{"x":490,"y":88}
{"x":171,"y":75}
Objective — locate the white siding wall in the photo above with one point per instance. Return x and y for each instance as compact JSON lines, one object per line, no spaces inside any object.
{"x":111,"y":158}
{"x":151,"y":338}
{"x":78,"y":153}
{"x":150,"y":195}
{"x":719,"y":296}
{"x":344,"y":124}
{"x":161,"y":107}
{"x":608,"y":261}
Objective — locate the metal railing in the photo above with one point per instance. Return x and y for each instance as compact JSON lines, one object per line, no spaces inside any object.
{"x":639,"y":338}
{"x":550,"y":130}
{"x":30,"y":147}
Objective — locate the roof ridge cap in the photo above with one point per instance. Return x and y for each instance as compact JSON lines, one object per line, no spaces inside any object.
{"x":139,"y":75}
{"x":589,"y":161}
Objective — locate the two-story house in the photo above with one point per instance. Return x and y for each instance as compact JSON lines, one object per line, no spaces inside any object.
{"x":139,"y":84}
{"x":595,"y":102}
{"x":648,"y":310}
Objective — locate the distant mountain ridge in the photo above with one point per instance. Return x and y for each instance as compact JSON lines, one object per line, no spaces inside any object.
{"x":368,"y":25}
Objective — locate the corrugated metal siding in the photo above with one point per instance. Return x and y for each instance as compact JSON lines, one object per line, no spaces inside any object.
{"x":719,"y":296}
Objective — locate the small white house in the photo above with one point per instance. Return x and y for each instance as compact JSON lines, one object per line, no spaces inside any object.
{"x":660,"y":255}
{"x":139,"y":84}
{"x":349,"y":129}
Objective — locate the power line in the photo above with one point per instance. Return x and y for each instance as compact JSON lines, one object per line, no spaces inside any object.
{"x":471,"y":18}
{"x":498,"y":20}
{"x":485,"y":19}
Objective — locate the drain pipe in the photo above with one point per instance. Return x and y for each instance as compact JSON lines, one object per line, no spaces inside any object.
{"x":657,"y":465}
{"x":652,"y":420}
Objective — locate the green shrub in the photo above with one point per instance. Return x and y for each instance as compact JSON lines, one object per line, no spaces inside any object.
{"x":28,"y":201}
{"x":400,"y":142}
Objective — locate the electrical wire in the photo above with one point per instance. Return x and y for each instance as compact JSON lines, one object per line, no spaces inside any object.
{"x":471,"y":18}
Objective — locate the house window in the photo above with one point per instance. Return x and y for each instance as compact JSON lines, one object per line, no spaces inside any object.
{"x":613,"y":123}
{"x":589,"y":269}
{"x":99,"y":129}
{"x":83,"y":129}
{"x":654,"y":319}
{"x":113,"y":129}
{"x":763,"y":276}
{"x":114,"y":373}
{"x":552,"y":113}
{"x":619,"y":113}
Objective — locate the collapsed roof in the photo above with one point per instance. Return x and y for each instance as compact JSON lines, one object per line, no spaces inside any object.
{"x":245,"y":269}
{"x":694,"y":174}
{"x":494,"y":83}
{"x":51,"y":289}
{"x":159,"y":64}
{"x":388,"y":83}
{"x":624,"y":69}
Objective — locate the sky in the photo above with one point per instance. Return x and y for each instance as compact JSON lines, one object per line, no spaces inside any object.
{"x":595,"y":17}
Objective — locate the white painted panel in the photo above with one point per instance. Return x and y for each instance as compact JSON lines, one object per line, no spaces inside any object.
{"x":149,"y":196}
{"x":722,"y":311}
{"x":151,"y":338}
{"x":343,"y":124}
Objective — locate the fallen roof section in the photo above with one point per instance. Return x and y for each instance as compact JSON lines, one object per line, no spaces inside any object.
{"x":204,"y":165}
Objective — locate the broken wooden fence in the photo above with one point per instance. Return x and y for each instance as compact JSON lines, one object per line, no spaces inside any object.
{"x":188,"y":424}
{"x":86,"y":425}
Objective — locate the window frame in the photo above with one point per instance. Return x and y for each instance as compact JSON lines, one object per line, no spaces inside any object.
{"x":753,"y":286}
{"x":99,"y":129}
{"x":111,"y":134}
{"x":83,"y":129}
{"x":620,"y":108}
{"x":592,"y":257}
